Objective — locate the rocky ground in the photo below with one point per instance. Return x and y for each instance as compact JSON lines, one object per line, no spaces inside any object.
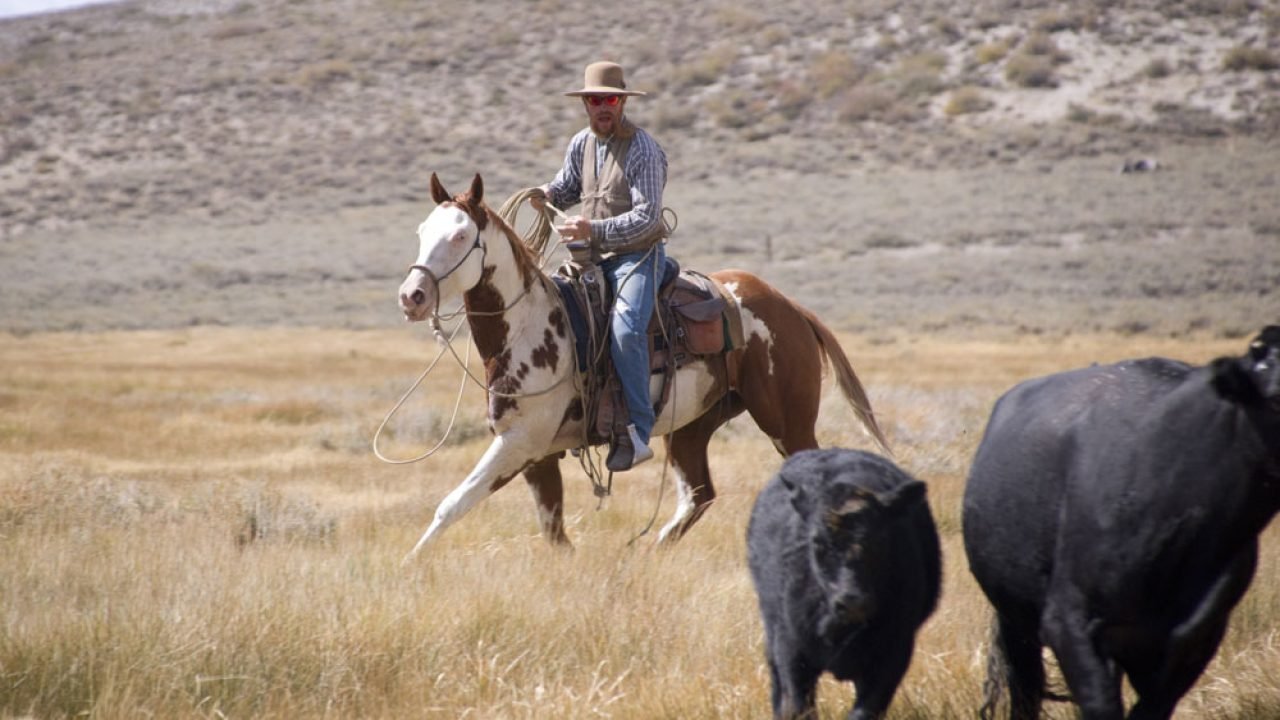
{"x":898,"y":166}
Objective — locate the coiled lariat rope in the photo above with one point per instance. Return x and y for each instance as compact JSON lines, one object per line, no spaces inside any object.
{"x":538,"y":238}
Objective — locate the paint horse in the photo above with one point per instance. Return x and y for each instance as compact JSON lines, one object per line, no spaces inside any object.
{"x":535,"y":409}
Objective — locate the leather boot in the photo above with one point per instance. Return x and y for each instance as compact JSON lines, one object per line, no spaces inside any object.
{"x":627,"y":452}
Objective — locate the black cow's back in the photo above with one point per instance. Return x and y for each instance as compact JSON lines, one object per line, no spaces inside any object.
{"x":1041,"y":432}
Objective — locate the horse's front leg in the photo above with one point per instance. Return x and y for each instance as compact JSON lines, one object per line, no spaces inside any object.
{"x":504,"y":459}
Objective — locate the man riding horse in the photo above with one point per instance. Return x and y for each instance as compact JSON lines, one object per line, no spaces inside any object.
{"x":621,"y":195}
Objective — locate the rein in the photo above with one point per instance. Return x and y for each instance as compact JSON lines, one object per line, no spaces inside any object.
{"x":403,"y":398}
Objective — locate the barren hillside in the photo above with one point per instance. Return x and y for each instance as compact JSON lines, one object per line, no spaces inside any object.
{"x":894,"y":164}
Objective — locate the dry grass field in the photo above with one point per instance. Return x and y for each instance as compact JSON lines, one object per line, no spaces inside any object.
{"x":193,"y":526}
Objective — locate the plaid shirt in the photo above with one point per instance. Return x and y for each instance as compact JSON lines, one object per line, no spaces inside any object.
{"x":646,"y":173}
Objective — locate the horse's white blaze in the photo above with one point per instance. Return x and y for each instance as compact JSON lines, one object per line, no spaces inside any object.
{"x":446,"y":240}
{"x":684,"y":503}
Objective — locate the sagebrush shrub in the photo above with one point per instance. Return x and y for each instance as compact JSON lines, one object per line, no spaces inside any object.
{"x":1034,"y":71}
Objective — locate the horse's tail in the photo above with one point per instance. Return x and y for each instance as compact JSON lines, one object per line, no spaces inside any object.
{"x":848,"y":380}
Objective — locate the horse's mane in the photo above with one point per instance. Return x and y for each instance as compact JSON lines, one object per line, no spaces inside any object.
{"x":527,"y":262}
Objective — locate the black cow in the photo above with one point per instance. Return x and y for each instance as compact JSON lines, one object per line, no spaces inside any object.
{"x":845,"y":559}
{"x":1113,"y":514}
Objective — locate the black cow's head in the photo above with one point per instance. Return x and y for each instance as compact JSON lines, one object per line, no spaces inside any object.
{"x":848,"y":553}
{"x":1253,"y":379}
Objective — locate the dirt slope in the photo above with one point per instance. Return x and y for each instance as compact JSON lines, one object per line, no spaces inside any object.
{"x":898,"y":165}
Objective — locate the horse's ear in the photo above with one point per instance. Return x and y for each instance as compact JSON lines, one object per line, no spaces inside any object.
{"x":477,"y":189}
{"x":438,"y":193}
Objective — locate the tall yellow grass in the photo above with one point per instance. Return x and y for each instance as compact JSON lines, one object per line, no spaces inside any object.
{"x":192,"y":525}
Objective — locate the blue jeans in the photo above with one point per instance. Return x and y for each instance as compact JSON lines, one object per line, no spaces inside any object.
{"x":634,"y":278}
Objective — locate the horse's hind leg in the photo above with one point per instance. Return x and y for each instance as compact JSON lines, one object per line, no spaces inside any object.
{"x":687,"y":448}
{"x":543,"y":477}
{"x":783,"y":390}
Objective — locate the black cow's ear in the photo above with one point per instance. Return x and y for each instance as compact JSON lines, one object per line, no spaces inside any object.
{"x":903,"y":496}
{"x":796,"y":494}
{"x":1269,"y":336}
{"x":1233,"y":382}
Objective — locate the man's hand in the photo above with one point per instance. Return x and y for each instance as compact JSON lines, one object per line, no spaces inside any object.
{"x":575,"y":228}
{"x":538,"y":199}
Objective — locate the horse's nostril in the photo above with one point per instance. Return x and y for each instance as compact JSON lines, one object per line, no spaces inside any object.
{"x":418,"y":297}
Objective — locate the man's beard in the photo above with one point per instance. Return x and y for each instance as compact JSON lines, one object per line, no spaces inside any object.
{"x":613,"y":127}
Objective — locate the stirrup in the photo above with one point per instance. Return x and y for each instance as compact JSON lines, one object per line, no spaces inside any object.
{"x":628,"y":452}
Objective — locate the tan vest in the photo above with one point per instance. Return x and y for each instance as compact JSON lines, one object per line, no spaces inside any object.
{"x":609,"y":195}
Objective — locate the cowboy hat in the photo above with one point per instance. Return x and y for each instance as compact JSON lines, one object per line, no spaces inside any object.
{"x":603,"y":78}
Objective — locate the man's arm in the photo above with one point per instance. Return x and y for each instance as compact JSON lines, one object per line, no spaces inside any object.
{"x":565,"y":190}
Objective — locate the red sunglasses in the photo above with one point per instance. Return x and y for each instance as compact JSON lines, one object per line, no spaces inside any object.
{"x":598,"y":100}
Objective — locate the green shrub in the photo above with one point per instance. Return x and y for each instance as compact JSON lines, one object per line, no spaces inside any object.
{"x":866,"y":103}
{"x":735,"y":109}
{"x":235,"y":30}
{"x":919,"y":75}
{"x":790,"y":99}
{"x":832,"y":72}
{"x":1157,"y":68}
{"x":987,"y":18}
{"x":774,"y":35}
{"x":737,"y":20}
{"x":324,"y":73}
{"x":1055,"y":21}
{"x":1271,"y":20}
{"x":947,"y":28}
{"x":1240,"y":58}
{"x":992,"y":52}
{"x":1077,"y":113}
{"x":1042,"y":45}
{"x":670,"y":117}
{"x":1034,"y":71}
{"x":966,"y":100}
{"x":931,"y":61}
{"x":711,"y":66}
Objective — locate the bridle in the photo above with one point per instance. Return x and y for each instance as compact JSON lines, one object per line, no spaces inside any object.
{"x":435,"y":281}
{"x":436,"y":317}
